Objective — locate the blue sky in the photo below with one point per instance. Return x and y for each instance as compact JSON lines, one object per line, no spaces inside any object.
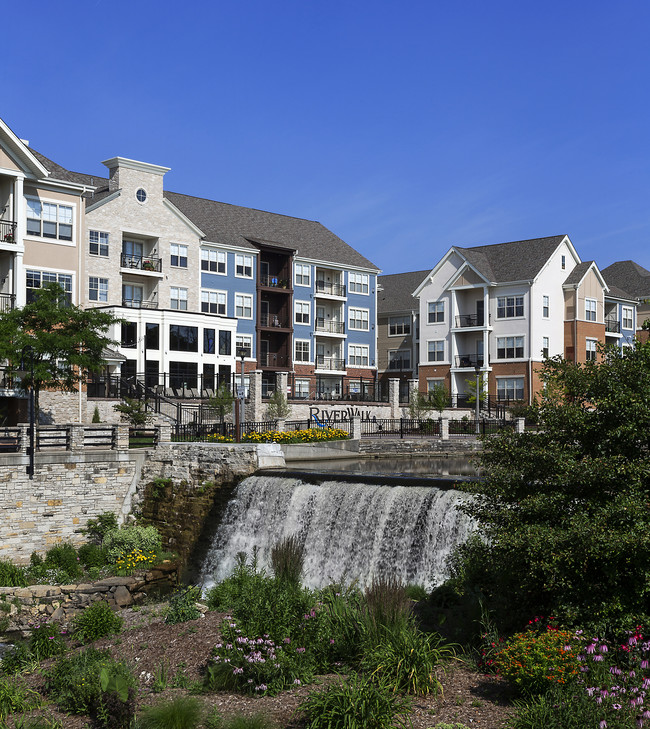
{"x":403,"y":127}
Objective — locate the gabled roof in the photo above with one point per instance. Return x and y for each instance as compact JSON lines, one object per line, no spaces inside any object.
{"x":236,"y":226}
{"x":580,"y":270}
{"x":616,"y":293}
{"x":21,"y":153}
{"x":395,"y":291}
{"x":60,"y":173}
{"x":630,"y":277}
{"x":519,"y":260}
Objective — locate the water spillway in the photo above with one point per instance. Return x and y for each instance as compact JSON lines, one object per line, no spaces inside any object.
{"x":351,"y":531}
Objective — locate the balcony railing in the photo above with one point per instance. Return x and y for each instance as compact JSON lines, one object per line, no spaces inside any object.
{"x":469,"y":320}
{"x":274,"y":282}
{"x":7,"y":231}
{"x":274,"y":360}
{"x":7,"y":302}
{"x":139,"y":304}
{"x":612,"y":326}
{"x":274,"y":320}
{"x":330,"y":363}
{"x":325,"y":287}
{"x":332,"y":327}
{"x":469,"y":360}
{"x":141,"y":263}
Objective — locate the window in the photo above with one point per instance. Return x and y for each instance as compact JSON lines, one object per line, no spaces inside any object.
{"x":358,"y":283}
{"x":399,"y":326}
{"x":545,"y":307}
{"x":225,"y":342}
{"x":436,"y":312}
{"x":399,"y":359}
{"x":97,"y":289}
{"x":178,"y":255}
{"x":590,"y":309}
{"x":214,"y":261}
{"x":129,"y":334}
{"x":358,"y":355}
{"x":510,"y":306}
{"x":510,"y":388}
{"x":510,"y":347}
{"x":213,"y":302}
{"x":37,"y":279}
{"x":433,"y":382}
{"x":302,"y":350}
{"x":243,"y":306}
{"x":98,"y":243}
{"x":627,"y":318}
{"x":302,"y":312}
{"x":178,"y":298}
{"x":244,"y":341}
{"x":183,"y":374}
{"x":49,"y":220}
{"x":132,"y":296}
{"x":359,"y":319}
{"x":301,"y":389}
{"x":183,"y":338}
{"x":303,"y":274}
{"x":545,"y":347}
{"x":208,"y":341}
{"x":152,"y":336}
{"x":243,"y":266}
{"x":591,"y":350}
{"x":563,"y":262}
{"x":436,"y":350}
{"x":141,"y":195}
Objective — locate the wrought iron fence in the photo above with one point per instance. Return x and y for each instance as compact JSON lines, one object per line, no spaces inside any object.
{"x":400,"y":428}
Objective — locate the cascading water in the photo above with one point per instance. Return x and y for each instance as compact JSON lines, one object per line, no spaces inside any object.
{"x":350,"y":531}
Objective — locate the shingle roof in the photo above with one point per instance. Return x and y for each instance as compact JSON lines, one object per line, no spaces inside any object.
{"x":630,"y":277}
{"x":519,"y":260}
{"x":60,"y":173}
{"x":237,"y":226}
{"x":576,"y":276}
{"x":397,"y":290}
{"x":617,"y":293}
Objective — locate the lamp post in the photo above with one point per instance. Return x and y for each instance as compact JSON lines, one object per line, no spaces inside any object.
{"x":477,"y":370}
{"x":28,"y":351}
{"x":241,"y":394}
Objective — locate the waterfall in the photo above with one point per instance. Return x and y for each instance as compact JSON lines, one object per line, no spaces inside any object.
{"x":350,"y":531}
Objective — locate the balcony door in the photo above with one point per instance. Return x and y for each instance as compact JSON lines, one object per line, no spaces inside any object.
{"x":480,"y":312}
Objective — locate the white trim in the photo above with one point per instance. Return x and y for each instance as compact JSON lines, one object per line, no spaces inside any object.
{"x":358,"y":329}
{"x":19,"y":148}
{"x":109,"y":198}
{"x":213,"y":291}
{"x":252,"y":266}
{"x":248,"y":296}
{"x":173,"y":209}
{"x":134,"y":164}
{"x":295,"y":274}
{"x":337,"y":266}
{"x":295,"y":312}
{"x":302,"y":361}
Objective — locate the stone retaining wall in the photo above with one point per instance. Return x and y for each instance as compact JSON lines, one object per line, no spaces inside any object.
{"x":419,"y":446}
{"x":27,"y":606}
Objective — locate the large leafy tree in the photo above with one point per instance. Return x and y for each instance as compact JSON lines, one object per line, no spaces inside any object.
{"x":63,"y":342}
{"x":564,"y":512}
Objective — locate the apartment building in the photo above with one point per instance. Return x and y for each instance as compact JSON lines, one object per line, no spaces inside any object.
{"x":633,"y":281}
{"x":497,"y":311}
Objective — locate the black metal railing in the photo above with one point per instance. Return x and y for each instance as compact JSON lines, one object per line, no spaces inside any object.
{"x":400,"y":428}
{"x":7,"y":302}
{"x":274,"y":320}
{"x":141,"y":263}
{"x":469,"y":320}
{"x":612,"y":326}
{"x":329,"y":363}
{"x":469,"y":360}
{"x":271,"y":359}
{"x":139,"y":304}
{"x":332,"y":327}
{"x":274,"y":282}
{"x":7,"y":231}
{"x":10,"y":440}
{"x":325,"y":287}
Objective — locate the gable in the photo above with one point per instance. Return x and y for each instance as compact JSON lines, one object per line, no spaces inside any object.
{"x":467,"y":277}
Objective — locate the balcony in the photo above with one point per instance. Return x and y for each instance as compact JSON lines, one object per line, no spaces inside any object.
{"x":273,"y":321}
{"x":7,"y":303}
{"x":270,"y":359}
{"x":141,"y":263}
{"x":331,"y":289}
{"x":7,"y":231}
{"x":274,"y":282}
{"x":467,"y":361}
{"x":139,"y":304}
{"x":330,"y":327}
{"x":469,"y":320}
{"x":330,"y":363}
{"x":612,"y":326}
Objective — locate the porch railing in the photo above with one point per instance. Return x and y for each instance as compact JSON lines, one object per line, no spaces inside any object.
{"x":7,"y":231}
{"x":332,"y":327}
{"x":141,"y":263}
{"x":469,"y":320}
{"x":325,"y":287}
{"x":469,"y":360}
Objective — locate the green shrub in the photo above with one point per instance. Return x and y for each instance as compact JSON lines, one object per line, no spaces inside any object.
{"x":63,"y":558}
{"x":182,"y":606}
{"x":359,"y":703}
{"x":17,"y":659}
{"x":566,"y":708}
{"x":287,"y":559}
{"x":96,"y":621}
{"x":183,"y":712}
{"x":119,"y":543}
{"x":38,"y":722}
{"x":46,"y":641}
{"x":416,"y":592}
{"x":11,"y":575}
{"x":97,"y":528}
{"x":255,"y":721}
{"x":344,"y":617}
{"x":387,"y":607}
{"x":15,"y":699}
{"x":96,"y":418}
{"x":406,"y":660}
{"x":92,"y":555}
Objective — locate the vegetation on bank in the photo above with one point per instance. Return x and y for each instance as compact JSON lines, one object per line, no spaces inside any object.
{"x":308,"y":435}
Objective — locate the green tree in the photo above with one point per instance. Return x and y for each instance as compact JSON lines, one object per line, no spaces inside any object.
{"x":419,"y":404}
{"x":222,"y":401}
{"x":278,"y":407}
{"x":66,"y":342}
{"x":134,"y":411}
{"x":439,"y":398}
{"x":471,"y":390}
{"x":564,"y":513}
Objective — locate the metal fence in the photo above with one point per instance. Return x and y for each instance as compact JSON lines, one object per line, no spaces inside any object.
{"x":400,"y":428}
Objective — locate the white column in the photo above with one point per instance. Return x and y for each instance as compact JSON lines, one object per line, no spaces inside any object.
{"x":20,"y":216}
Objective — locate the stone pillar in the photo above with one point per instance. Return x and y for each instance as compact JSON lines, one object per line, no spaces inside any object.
{"x":393,"y":397}
{"x":76,"y":442}
{"x":253,"y":408}
{"x":121,"y":437}
{"x":281,"y":382}
{"x":444,"y":428}
{"x":355,"y":430}
{"x":24,"y":437}
{"x":164,"y":433}
{"x":281,"y":425}
{"x":520,"y":425}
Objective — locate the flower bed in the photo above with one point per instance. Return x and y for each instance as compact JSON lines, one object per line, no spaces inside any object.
{"x":308,"y":435}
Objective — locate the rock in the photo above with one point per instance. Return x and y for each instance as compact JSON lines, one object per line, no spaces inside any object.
{"x":122,"y":596}
{"x":115,"y":581}
{"x":58,"y":614}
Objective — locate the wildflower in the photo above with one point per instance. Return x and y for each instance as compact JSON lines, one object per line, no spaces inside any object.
{"x":602,"y":725}
{"x":296,"y":681}
{"x":300,"y":650}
